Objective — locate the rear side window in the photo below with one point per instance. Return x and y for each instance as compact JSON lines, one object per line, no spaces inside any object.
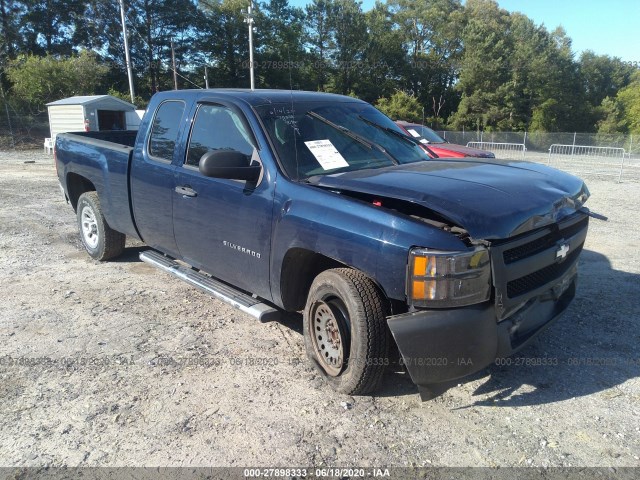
{"x":164,"y":131}
{"x":217,"y":128}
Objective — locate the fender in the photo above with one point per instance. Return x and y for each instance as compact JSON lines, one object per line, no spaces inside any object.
{"x":371,"y":239}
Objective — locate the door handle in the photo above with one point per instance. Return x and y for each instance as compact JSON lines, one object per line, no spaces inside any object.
{"x":186,"y":191}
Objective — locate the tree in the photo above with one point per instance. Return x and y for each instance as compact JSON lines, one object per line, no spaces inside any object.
{"x":629,"y":100}
{"x":319,"y":39}
{"x":40,"y":80}
{"x":280,"y":49}
{"x":49,"y":26}
{"x":602,"y":76}
{"x":433,"y":45}
{"x":401,"y":106}
{"x":611,"y":121}
{"x":563,"y":84}
{"x":152,"y":25}
{"x":139,"y":102}
{"x":350,"y":35}
{"x":484,"y":70}
{"x":516,"y":75}
{"x":226,"y":42}
{"x":10,"y":41}
{"x":384,"y":59}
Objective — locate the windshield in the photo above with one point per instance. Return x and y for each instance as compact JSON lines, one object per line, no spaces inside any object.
{"x":320,"y":138}
{"x":419,"y":131}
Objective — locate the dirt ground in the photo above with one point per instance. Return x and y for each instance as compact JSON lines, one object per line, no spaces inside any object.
{"x":118,"y":364}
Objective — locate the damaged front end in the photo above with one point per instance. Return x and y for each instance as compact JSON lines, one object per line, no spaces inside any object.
{"x":533,"y":280}
{"x":524,"y":227}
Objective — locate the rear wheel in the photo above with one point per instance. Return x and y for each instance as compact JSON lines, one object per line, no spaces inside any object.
{"x":345,"y":330}
{"x":98,"y":238}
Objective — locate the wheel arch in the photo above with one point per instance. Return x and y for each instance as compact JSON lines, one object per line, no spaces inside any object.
{"x":300,"y":267}
{"x":76,"y":186}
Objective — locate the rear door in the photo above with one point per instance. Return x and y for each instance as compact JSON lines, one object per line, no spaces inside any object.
{"x":152,"y":177}
{"x":223,"y":226}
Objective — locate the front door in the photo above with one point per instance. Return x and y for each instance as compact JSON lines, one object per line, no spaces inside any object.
{"x":223,"y":226}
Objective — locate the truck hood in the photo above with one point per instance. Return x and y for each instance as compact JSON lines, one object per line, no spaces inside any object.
{"x":489,"y":199}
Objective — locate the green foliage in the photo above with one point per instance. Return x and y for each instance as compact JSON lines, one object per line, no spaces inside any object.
{"x":140,"y":103}
{"x":629,"y":101}
{"x":48,"y":26}
{"x":516,"y":75}
{"x":611,"y":116}
{"x":430,"y":33}
{"x":603,"y":76}
{"x":401,"y":106}
{"x":546,"y":116}
{"x":279,"y":47}
{"x":226,"y":39}
{"x":40,"y":80}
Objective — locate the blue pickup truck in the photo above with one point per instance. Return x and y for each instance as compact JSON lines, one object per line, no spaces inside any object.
{"x":301,"y":201}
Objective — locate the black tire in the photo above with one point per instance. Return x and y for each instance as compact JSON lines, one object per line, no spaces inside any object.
{"x":345,"y":330}
{"x":98,"y":238}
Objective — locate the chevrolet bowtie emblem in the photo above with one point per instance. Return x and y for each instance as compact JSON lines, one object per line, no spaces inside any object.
{"x":562,"y":251}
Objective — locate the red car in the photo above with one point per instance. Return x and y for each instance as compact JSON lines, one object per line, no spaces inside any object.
{"x":439,"y":145}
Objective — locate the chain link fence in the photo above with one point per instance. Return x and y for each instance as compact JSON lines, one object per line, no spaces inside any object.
{"x":542,"y":141}
{"x":21,"y":129}
{"x":585,"y":154}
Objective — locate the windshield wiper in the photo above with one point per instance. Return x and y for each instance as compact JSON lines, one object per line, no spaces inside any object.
{"x":345,"y":131}
{"x":401,"y":136}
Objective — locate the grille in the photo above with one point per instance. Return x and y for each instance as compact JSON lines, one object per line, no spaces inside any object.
{"x":540,"y":244}
{"x":541,"y":277}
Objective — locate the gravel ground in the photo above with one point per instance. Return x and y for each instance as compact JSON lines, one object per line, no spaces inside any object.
{"x":117,"y":364}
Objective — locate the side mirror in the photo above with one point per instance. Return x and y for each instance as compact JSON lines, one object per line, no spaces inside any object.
{"x":228,"y":164}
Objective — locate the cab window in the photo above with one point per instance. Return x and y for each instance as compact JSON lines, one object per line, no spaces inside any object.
{"x":216,"y":128}
{"x":164,"y":131}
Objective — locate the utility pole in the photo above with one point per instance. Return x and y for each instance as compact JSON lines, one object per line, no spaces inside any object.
{"x":206,"y":78}
{"x":126,"y":53}
{"x":173,"y":62}
{"x":249,"y":19}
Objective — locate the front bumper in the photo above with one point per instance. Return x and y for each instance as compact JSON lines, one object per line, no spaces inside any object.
{"x":439,"y":346}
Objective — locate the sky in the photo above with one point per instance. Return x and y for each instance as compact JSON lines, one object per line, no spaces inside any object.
{"x":609,"y":27}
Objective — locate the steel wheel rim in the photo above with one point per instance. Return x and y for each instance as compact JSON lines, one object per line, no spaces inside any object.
{"x":89,"y":226}
{"x":330,"y":335}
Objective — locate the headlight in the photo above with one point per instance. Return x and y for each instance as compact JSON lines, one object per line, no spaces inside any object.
{"x":448,"y":279}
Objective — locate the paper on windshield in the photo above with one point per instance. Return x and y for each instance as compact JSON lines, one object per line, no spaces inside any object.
{"x":326,"y":153}
{"x":413,"y":132}
{"x":424,"y":140}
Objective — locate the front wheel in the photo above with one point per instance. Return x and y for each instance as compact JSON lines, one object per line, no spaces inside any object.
{"x":98,"y":238}
{"x":345,"y":330}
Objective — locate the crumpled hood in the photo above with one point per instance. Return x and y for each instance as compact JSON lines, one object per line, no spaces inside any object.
{"x":489,"y":199}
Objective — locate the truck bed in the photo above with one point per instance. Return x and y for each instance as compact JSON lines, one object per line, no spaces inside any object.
{"x":120,"y":137}
{"x":103,"y":158}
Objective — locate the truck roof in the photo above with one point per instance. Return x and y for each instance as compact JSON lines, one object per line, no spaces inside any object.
{"x":259,"y":96}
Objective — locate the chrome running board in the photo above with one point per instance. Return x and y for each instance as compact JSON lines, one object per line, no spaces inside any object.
{"x":217,"y":289}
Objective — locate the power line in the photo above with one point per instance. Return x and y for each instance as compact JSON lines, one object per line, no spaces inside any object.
{"x":185,"y":78}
